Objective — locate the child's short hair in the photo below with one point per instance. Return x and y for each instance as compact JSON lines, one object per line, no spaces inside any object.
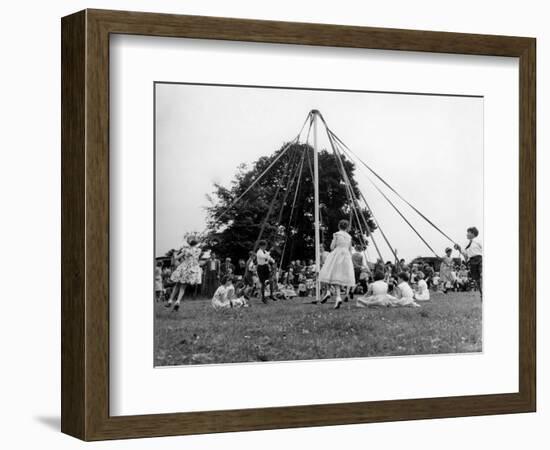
{"x":473,"y":230}
{"x":420,"y":274}
{"x":379,"y":276}
{"x":404,"y":276}
{"x":262,"y":243}
{"x":343,"y":224}
{"x":193,"y":242}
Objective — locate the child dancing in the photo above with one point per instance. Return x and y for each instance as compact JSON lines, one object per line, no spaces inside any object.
{"x":263,"y":261}
{"x":445,"y":270}
{"x":187,"y":273}
{"x":338,"y":267}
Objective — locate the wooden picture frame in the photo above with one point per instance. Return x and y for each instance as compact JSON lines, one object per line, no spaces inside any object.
{"x":85,"y":224}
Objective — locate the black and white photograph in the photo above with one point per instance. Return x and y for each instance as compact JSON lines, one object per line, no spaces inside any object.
{"x":306,"y":224}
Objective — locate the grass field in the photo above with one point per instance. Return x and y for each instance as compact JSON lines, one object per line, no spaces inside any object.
{"x":297,"y":330}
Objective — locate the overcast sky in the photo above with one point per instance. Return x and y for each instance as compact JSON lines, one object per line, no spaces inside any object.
{"x":429,"y":148}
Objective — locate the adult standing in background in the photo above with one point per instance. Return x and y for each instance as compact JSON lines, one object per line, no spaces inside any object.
{"x":212,"y":272}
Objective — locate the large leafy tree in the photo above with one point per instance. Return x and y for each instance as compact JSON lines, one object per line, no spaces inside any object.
{"x":234,"y":231}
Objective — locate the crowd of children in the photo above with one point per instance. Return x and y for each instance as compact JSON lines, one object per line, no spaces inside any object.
{"x":345,"y":273}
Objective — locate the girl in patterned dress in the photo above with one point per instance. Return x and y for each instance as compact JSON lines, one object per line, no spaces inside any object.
{"x":188,"y":273}
{"x":445,"y":270}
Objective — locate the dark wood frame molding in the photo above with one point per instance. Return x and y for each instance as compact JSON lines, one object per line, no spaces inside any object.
{"x":85,"y":224}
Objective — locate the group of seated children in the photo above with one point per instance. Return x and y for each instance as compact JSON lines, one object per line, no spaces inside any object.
{"x":229,"y":296}
{"x":377,"y":292}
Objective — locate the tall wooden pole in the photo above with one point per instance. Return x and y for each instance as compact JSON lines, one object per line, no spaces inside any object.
{"x":314,"y":114}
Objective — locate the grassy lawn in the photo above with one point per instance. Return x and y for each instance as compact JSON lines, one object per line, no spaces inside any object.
{"x":296,"y":329}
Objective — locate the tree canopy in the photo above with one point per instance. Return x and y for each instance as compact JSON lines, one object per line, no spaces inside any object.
{"x":234,"y":231}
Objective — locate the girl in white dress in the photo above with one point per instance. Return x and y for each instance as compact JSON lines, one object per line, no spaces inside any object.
{"x":338,"y":267}
{"x":226,"y":295}
{"x":422,"y":292}
{"x":377,"y":293}
{"x":405,"y":294}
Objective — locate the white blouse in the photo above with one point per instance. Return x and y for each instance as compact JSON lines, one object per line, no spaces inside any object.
{"x":263,"y":257}
{"x":474,"y":248}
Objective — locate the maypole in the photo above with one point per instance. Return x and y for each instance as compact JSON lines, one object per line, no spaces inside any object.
{"x":314,"y":113}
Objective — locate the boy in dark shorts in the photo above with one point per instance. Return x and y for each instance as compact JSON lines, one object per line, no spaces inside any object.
{"x":263,"y":261}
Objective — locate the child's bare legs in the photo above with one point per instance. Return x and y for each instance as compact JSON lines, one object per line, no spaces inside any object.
{"x":326,"y":296}
{"x":180,"y":296}
{"x":338,"y":297}
{"x":181,"y":293}
{"x":173,"y":294}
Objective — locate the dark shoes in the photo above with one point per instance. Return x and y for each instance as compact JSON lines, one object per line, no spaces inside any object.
{"x":325,"y":298}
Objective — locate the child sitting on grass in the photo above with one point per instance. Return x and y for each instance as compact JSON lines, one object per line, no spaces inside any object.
{"x":224,"y":293}
{"x":302,"y":288}
{"x":285,"y":292}
{"x":405,"y":293}
{"x":377,"y":293}
{"x":435,"y":281}
{"x":241,"y":296}
{"x":422,"y":293}
{"x":225,"y":296}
